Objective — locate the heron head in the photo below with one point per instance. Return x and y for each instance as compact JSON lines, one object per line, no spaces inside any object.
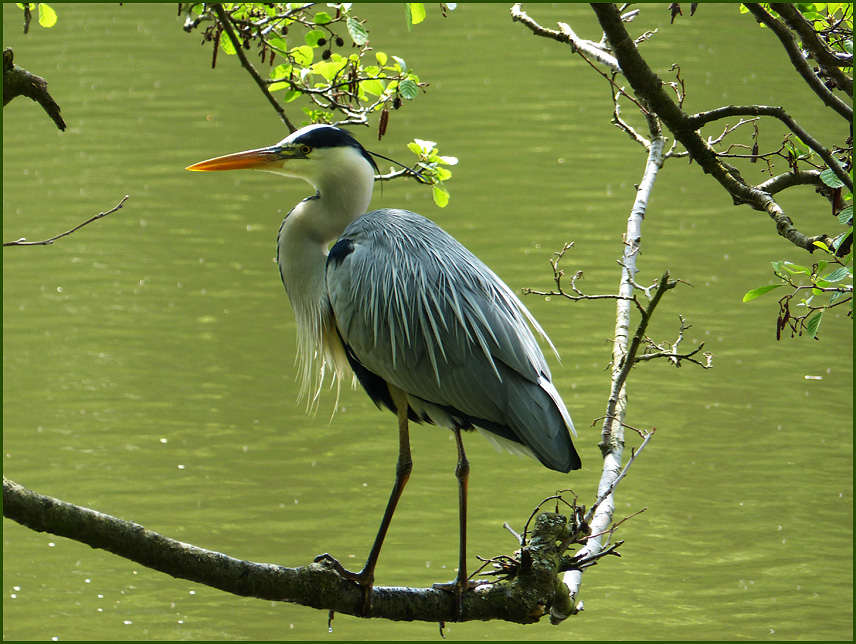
{"x":311,"y":153}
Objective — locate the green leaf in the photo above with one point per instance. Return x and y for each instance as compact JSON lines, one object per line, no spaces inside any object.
{"x":281,"y":71}
{"x":402,"y":66}
{"x":47,"y":16}
{"x":756,"y":292}
{"x":846,"y":215}
{"x":442,"y":174}
{"x":796,"y":269}
{"x":322,"y":18}
{"x":414,"y":13}
{"x":373,"y":87}
{"x":303,"y":55}
{"x":329,"y":70}
{"x":313,"y":37}
{"x":799,"y":147}
{"x":814,"y":324}
{"x":226,"y":45}
{"x":836,"y":243}
{"x":441,"y":196}
{"x":381,"y":58}
{"x":837,"y":275}
{"x":278,"y":43}
{"x":408,"y":89}
{"x":357,"y":32}
{"x":829,"y":178}
{"x":821,"y":245}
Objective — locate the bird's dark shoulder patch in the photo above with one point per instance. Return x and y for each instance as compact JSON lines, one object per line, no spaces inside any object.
{"x":341,"y":249}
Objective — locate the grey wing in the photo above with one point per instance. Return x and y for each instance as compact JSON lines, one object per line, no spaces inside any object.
{"x":415,"y":309}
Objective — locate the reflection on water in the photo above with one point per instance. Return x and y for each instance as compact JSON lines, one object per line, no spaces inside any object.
{"x":148,"y":359}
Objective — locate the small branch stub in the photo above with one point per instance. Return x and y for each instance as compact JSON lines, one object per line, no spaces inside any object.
{"x":19,"y":82}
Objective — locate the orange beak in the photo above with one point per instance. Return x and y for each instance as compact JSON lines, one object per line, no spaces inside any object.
{"x":261,"y":159}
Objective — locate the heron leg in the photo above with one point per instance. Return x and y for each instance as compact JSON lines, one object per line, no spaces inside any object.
{"x":462,"y":582}
{"x":365,"y":578}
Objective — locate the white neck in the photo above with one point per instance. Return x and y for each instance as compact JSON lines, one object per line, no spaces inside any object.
{"x":344,"y":192}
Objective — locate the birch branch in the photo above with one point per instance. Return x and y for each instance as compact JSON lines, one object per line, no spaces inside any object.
{"x":612,"y":435}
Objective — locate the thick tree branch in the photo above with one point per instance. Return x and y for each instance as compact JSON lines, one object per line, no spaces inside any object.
{"x":803,"y":68}
{"x":789,"y":179}
{"x":524,"y":599}
{"x":828,"y":62}
{"x":649,"y":88}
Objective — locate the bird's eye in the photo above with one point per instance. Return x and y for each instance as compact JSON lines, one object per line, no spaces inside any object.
{"x":305,"y":149}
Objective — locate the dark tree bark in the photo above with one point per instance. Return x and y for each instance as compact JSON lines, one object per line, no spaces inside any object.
{"x":19,"y":82}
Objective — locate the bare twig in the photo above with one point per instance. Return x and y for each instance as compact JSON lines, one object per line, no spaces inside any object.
{"x":670,"y":352}
{"x":23,"y":241}
{"x":701,"y":118}
{"x":676,"y":358}
{"x":586,"y":560}
{"x":559,"y":274}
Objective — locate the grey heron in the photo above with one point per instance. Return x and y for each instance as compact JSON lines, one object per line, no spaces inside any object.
{"x":427,"y":329}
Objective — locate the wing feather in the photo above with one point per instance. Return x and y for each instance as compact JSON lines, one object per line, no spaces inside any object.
{"x":421,"y":312}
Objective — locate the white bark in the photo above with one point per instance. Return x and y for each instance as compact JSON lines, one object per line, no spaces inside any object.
{"x":612,"y":437}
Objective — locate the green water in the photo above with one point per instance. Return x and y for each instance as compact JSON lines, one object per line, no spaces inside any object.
{"x":148,"y":359}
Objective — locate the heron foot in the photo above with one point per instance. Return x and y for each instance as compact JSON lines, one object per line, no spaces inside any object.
{"x":458,"y":587}
{"x":364,"y":579}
